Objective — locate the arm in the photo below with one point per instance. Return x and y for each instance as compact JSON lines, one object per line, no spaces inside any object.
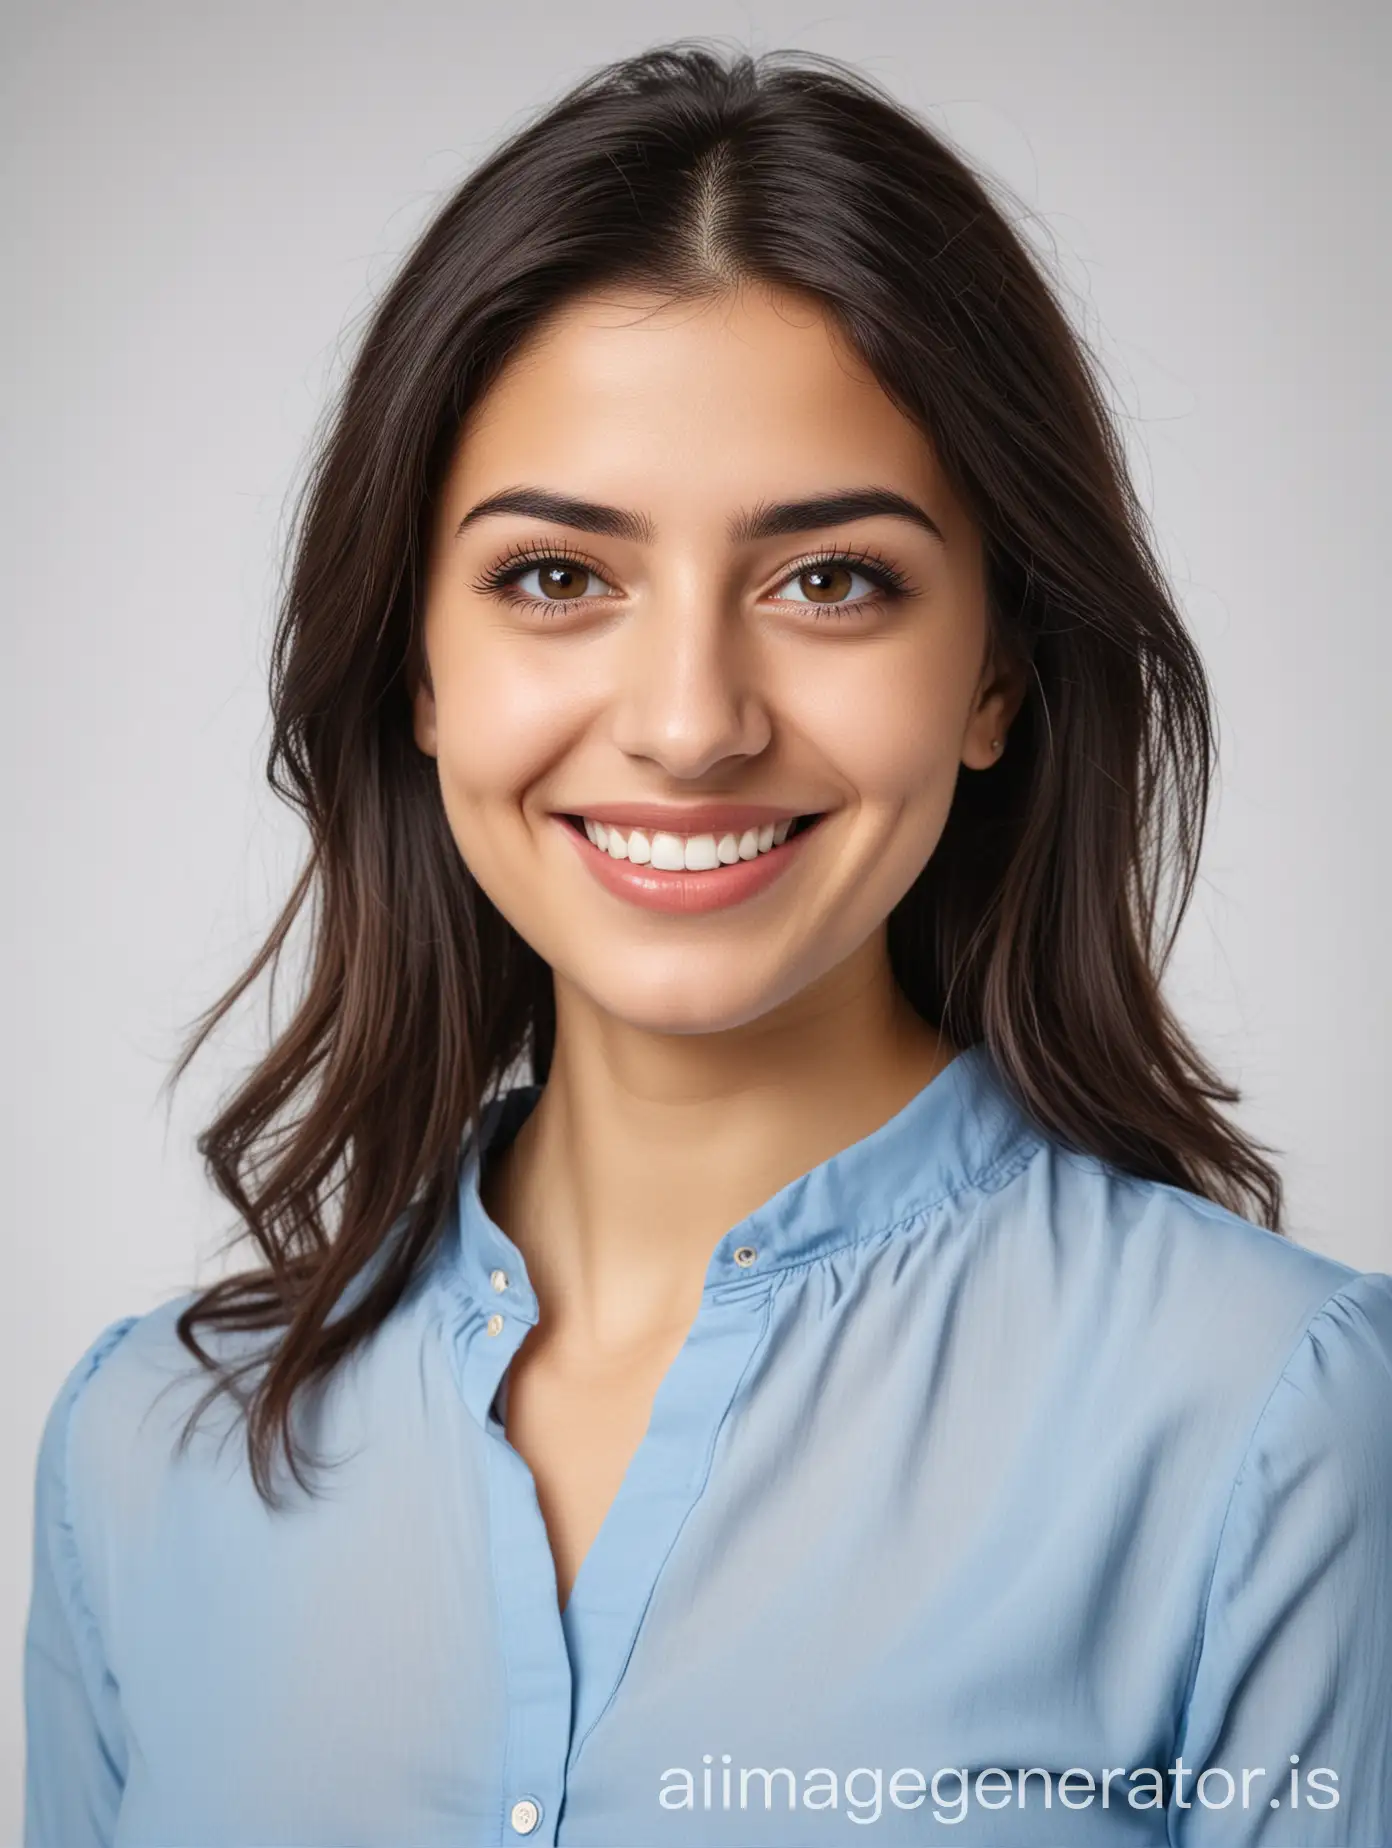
{"x":75,"y":1755}
{"x":1295,"y":1658}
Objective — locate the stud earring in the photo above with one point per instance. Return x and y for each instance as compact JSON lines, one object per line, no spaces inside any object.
{"x":995,"y":744}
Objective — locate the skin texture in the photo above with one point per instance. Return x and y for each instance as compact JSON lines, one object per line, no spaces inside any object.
{"x":701,"y":1062}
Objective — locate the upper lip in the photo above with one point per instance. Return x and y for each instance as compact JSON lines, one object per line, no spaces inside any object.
{"x":689,"y":818}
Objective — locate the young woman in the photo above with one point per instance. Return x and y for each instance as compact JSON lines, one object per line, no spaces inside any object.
{"x":761,"y":1324}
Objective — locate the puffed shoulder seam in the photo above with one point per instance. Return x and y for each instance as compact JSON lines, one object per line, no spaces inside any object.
{"x":67,"y":1558}
{"x":1344,"y":1297}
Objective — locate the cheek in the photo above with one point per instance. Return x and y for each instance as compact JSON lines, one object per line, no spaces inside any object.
{"x":504,"y":713}
{"x":889,"y":722}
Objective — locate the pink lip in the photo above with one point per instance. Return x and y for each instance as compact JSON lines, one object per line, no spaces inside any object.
{"x":684,"y":892}
{"x":692,"y":818}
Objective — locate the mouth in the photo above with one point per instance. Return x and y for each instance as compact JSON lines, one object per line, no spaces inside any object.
{"x":665,"y":871}
{"x":666,"y":851}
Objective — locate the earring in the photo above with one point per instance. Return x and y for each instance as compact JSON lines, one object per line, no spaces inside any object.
{"x":995,"y":744}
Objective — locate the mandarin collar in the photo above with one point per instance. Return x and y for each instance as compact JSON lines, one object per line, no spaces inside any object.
{"x":954,"y":1134}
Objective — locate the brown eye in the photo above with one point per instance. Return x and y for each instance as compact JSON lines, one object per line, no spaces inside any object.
{"x":561,"y":582}
{"x":534,"y":578}
{"x":830,"y":584}
{"x":826,"y":583}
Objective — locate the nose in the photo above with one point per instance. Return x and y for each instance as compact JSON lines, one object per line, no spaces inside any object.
{"x":688,"y":696}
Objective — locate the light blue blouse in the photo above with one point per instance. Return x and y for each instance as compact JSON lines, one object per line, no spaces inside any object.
{"x":994,"y":1497}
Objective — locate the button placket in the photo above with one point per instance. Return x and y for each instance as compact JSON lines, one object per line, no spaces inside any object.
{"x":537,"y":1663}
{"x":666,"y":1476}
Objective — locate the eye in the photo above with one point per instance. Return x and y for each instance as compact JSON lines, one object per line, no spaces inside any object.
{"x":559,"y":577}
{"x":828,"y":582}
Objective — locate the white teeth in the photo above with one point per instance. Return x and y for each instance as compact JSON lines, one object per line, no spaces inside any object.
{"x":691,"y":853}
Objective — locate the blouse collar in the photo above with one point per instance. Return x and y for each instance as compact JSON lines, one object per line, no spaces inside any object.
{"x":959,"y":1132}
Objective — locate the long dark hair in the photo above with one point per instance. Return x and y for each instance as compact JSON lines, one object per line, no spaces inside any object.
{"x":1044,"y":919}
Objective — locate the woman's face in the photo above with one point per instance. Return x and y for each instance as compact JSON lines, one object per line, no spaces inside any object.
{"x":639,"y":614}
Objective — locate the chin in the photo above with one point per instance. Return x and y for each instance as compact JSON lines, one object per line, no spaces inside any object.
{"x":685,"y":1000}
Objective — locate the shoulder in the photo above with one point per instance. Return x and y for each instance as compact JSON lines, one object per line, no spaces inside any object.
{"x":121,"y":1366}
{"x":138,"y":1404}
{"x":1174,"y":1256}
{"x":69,"y":1408}
{"x":1332,"y":1402}
{"x":118,"y":1364}
{"x":1176,"y":1302}
{"x":112,"y":1426}
{"x":89,"y":1464}
{"x":124,"y":1370}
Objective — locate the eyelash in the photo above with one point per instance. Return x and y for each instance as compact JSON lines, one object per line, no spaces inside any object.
{"x":500,"y":578}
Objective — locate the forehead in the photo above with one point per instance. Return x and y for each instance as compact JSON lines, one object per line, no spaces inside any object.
{"x":719,"y":400}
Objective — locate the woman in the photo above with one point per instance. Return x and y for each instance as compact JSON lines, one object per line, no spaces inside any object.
{"x":762,"y":1323}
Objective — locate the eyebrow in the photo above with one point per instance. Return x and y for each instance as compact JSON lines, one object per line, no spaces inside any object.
{"x":769,"y":520}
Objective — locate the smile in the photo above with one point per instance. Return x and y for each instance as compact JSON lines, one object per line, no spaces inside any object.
{"x":663,"y":870}
{"x":691,"y":853}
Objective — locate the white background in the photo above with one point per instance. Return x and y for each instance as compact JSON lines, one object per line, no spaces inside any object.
{"x":200,"y":203}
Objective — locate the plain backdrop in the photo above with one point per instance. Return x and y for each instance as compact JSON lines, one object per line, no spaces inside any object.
{"x":201,"y":203}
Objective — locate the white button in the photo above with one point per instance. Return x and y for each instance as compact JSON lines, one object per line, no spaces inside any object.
{"x":745,"y":1256}
{"x":499,"y":1281}
{"x":495,"y":1325}
{"x":525,"y":1816}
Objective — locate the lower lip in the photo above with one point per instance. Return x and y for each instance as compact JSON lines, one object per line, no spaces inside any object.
{"x":686,"y":892}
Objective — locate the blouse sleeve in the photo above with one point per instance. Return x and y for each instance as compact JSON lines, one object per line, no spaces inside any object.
{"x":1290,"y":1704}
{"x":75,"y":1755}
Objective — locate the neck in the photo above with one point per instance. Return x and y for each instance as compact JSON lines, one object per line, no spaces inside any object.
{"x":645,"y":1149}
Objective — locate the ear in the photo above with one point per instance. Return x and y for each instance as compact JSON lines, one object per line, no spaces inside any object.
{"x":997,"y":703}
{"x":423,"y":720}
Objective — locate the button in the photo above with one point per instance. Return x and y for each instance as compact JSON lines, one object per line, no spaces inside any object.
{"x":499,"y":1280}
{"x":745,"y":1256}
{"x":525,"y":1816}
{"x":495,"y":1325}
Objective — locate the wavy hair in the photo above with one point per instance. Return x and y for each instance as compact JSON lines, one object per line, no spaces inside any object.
{"x":1040,"y":923}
